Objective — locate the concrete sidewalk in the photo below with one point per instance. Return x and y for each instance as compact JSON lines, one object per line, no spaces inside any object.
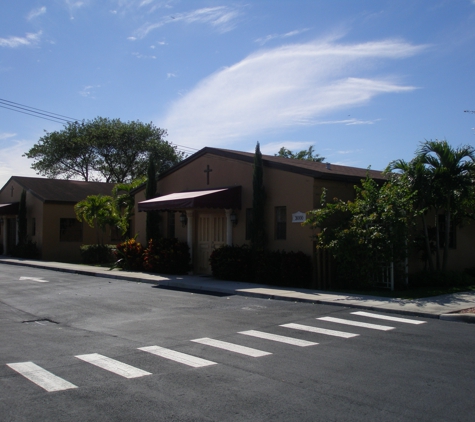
{"x":431,"y":307}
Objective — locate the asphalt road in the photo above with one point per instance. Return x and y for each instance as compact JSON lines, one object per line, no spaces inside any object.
{"x":66,"y":324}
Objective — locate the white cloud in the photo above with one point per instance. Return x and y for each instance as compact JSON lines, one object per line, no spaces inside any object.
{"x":221,"y":17}
{"x":4,"y":136}
{"x":267,"y":38}
{"x":13,"y":164}
{"x":171,"y":75}
{"x":14,"y":42}
{"x":89,"y":91}
{"x":36,"y":12}
{"x":279,"y":88}
{"x":143,"y":56}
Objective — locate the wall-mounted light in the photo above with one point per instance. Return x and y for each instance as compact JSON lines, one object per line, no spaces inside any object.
{"x":233,"y":218}
{"x":183,"y":219}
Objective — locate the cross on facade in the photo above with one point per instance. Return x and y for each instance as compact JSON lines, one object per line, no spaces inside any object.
{"x":207,"y":171}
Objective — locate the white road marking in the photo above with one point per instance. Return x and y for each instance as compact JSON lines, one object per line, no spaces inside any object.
{"x":356,"y":323}
{"x":41,"y":377}
{"x":232,"y":347}
{"x":319,"y":330}
{"x":389,"y":318}
{"x":189,"y":360}
{"x":113,"y":365}
{"x":281,"y":339}
{"x":37,"y":279}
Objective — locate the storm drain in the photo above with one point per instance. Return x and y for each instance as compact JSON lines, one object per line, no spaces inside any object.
{"x":42,"y":321}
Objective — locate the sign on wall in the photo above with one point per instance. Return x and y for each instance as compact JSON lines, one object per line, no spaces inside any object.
{"x":298,"y":217}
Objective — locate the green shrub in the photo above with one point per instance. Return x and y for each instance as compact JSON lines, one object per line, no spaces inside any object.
{"x":440,"y":279}
{"x":167,"y":256}
{"x":97,"y":254}
{"x":232,"y":263}
{"x":277,"y":268}
{"x":129,"y":255}
{"x":27,"y":250}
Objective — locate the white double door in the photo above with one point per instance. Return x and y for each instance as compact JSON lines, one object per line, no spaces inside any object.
{"x":211,"y":235}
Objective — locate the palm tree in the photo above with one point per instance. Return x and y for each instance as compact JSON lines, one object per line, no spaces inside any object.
{"x":452,"y":171}
{"x":419,"y":180}
{"x":97,"y":211}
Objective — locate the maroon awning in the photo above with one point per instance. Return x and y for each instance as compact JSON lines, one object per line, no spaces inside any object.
{"x":227,"y":198}
{"x":9,"y":209}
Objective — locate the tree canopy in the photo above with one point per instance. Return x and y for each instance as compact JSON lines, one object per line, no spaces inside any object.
{"x":306,"y":154}
{"x":103,"y":149}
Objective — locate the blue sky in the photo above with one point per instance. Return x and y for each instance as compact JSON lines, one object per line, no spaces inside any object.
{"x":364,"y":82}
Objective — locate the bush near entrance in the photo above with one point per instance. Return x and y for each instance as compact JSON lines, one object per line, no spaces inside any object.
{"x":277,"y":268}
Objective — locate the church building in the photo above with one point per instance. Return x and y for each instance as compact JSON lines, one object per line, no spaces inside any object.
{"x":206,"y":200}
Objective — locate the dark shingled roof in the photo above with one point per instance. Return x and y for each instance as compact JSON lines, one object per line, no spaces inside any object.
{"x":324,"y":171}
{"x":309,"y":168}
{"x":62,"y":191}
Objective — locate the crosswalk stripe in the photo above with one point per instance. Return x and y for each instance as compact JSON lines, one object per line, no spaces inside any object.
{"x":113,"y":365}
{"x":41,"y":377}
{"x":248,"y":351}
{"x":281,"y":339}
{"x":319,"y":330}
{"x":189,"y":360}
{"x":389,"y":318}
{"x":356,"y":323}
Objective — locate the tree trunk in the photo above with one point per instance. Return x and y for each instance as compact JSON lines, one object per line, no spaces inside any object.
{"x":430,"y":261}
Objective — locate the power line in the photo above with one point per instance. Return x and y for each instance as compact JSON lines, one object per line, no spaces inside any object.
{"x":36,"y":112}
{"x":60,"y":118}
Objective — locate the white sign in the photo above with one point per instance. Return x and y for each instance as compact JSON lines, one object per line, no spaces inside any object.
{"x":299,"y":217}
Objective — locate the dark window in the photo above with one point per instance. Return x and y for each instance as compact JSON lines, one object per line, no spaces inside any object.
{"x":248,"y":223}
{"x":70,"y":230}
{"x":33,"y":226}
{"x":280,"y":223}
{"x":171,"y":224}
{"x":452,"y":240}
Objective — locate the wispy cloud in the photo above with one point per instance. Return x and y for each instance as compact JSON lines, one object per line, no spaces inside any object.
{"x":143,"y":56}
{"x":36,"y":12}
{"x":73,"y":5}
{"x":222,"y":18}
{"x":12,"y":162}
{"x":281,"y":88}
{"x":89,"y":91}
{"x":267,"y":38}
{"x":14,"y":42}
{"x":4,"y":136}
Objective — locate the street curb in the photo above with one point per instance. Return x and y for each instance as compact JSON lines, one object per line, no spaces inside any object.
{"x":460,"y":317}
{"x":469,"y":318}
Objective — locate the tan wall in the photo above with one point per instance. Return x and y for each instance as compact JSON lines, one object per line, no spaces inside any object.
{"x":460,"y":257}
{"x":283,"y":189}
{"x":33,"y":210}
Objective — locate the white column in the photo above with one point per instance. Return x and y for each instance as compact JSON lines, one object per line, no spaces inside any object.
{"x":189,"y":231}
{"x":229,"y":228}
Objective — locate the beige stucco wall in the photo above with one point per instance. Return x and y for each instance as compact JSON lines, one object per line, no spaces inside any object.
{"x":47,"y":235}
{"x":460,"y":258}
{"x":282,"y":189}
{"x":33,"y":210}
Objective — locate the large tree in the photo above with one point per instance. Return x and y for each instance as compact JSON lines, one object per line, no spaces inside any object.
{"x":103,"y":149}
{"x":306,"y":154}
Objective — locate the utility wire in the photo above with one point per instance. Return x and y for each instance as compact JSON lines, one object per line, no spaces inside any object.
{"x":59,"y":118}
{"x":37,"y":112}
